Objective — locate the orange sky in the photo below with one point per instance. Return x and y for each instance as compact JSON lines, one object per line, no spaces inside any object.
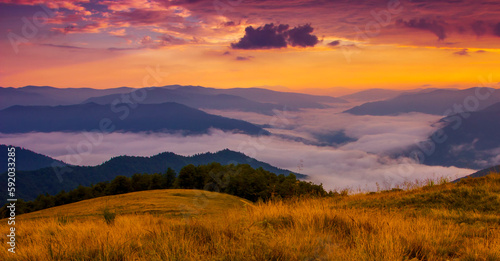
{"x":89,"y":45}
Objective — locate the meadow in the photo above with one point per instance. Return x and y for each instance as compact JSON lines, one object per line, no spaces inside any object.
{"x":426,"y":221}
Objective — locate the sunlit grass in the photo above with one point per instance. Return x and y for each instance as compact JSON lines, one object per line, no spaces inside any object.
{"x":460,"y":224}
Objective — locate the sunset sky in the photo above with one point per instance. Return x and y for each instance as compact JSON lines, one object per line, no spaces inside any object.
{"x":298,"y":44}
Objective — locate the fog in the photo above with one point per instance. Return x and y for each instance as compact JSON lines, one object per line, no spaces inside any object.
{"x":336,"y":168}
{"x":359,"y":163}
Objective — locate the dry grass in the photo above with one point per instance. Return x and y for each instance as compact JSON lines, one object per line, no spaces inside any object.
{"x":360,"y":227}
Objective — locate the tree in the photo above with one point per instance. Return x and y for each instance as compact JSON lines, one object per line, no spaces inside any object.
{"x":119,"y":185}
{"x":186,"y":178}
{"x":168,"y":178}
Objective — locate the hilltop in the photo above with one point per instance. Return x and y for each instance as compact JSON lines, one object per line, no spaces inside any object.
{"x":165,"y":202}
{"x":419,"y":221}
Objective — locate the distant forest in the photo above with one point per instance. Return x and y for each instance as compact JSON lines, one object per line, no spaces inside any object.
{"x":239,"y":180}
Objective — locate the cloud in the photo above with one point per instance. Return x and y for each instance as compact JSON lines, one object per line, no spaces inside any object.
{"x":334,"y":43}
{"x":374,"y":134}
{"x":301,"y":36}
{"x":335,"y":168}
{"x":263,"y":37}
{"x":166,"y":40}
{"x":496,"y":30}
{"x":276,"y":36}
{"x":422,"y":24}
{"x":463,"y":52}
{"x":94,"y":27}
{"x":243,"y":58}
{"x":119,"y":32}
{"x":479,"y":28}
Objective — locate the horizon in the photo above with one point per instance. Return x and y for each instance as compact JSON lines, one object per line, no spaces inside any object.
{"x":334,"y":92}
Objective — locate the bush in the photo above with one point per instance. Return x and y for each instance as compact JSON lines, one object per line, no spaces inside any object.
{"x":109,"y":216}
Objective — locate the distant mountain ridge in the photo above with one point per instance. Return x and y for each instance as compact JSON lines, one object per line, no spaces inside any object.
{"x":436,"y":102}
{"x":165,"y":117}
{"x":257,"y":100}
{"x":466,"y":142}
{"x":52,"y":180}
{"x":242,"y":99}
{"x":51,"y":96}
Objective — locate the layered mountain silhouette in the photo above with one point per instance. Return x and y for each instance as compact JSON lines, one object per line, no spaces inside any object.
{"x":241,"y":99}
{"x":165,"y":117}
{"x":52,"y":180}
{"x":467,"y":140}
{"x":437,"y":102}
{"x":50,"y":96}
{"x":372,"y":95}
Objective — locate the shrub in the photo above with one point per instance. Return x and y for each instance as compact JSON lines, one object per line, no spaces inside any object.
{"x":109,"y":216}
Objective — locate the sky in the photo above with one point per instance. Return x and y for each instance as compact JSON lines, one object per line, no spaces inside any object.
{"x":298,"y":44}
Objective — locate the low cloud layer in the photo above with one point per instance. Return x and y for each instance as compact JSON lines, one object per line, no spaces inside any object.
{"x":374,"y":134}
{"x":357,"y":165}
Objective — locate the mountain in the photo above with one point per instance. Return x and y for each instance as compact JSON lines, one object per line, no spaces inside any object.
{"x":437,"y":102}
{"x":468,"y":141}
{"x":165,"y":117}
{"x":26,"y":159}
{"x":194,"y":100}
{"x":482,"y":173}
{"x":50,"y":96}
{"x":241,"y":99}
{"x":52,"y":180}
{"x":372,"y":95}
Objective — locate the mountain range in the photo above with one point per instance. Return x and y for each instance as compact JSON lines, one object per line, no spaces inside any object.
{"x":468,"y":140}
{"x":242,"y":99}
{"x":50,"y":96}
{"x":51,"y":180}
{"x":437,"y":102}
{"x":165,"y":117}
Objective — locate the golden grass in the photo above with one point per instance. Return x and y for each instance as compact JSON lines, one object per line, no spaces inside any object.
{"x":227,"y":228}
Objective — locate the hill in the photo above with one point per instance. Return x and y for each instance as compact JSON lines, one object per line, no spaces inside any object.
{"x":372,"y":95}
{"x":27,"y":159}
{"x":241,"y":99}
{"x":449,"y":221}
{"x":165,"y":117}
{"x":436,"y":102}
{"x":196,"y":100}
{"x":50,"y":96}
{"x":482,"y":173}
{"x":166,"y":202}
{"x":467,"y":142}
{"x":50,"y":180}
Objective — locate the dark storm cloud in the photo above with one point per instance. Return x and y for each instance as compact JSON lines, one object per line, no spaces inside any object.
{"x":435,"y":27}
{"x":301,"y":36}
{"x":276,"y":36}
{"x":263,"y":37}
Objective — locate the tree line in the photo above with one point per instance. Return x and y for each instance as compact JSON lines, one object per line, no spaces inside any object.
{"x":239,"y":180}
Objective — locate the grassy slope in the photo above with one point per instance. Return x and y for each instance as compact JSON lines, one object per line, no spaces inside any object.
{"x":169,"y":203}
{"x":435,"y":222}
